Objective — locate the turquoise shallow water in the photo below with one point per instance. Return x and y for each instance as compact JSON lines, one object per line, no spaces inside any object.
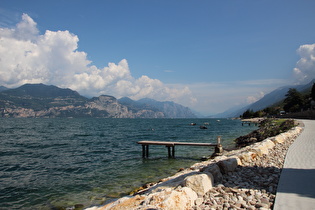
{"x":49,"y":163}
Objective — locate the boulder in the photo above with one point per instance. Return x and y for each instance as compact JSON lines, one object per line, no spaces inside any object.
{"x":213,"y":169}
{"x":269,"y":143}
{"x":123,"y":203}
{"x":180,"y":199}
{"x":229,"y":165}
{"x":183,"y":198}
{"x":279,"y":139}
{"x":263,"y":147}
{"x":200,"y":183}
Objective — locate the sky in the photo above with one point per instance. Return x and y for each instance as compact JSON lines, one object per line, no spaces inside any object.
{"x":208,"y":55}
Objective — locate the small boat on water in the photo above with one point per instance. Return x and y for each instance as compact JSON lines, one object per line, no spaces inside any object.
{"x":192,"y":123}
{"x":203,"y":127}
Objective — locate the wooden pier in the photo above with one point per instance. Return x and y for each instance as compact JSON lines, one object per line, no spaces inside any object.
{"x":171,"y":146}
{"x":249,"y":123}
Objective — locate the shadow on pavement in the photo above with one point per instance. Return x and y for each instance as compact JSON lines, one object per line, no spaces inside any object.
{"x":298,"y":181}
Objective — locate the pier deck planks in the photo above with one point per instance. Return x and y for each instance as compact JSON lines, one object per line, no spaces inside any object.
{"x":169,"y":145}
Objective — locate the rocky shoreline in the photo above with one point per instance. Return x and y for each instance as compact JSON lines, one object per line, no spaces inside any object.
{"x":246,"y":178}
{"x":253,"y":185}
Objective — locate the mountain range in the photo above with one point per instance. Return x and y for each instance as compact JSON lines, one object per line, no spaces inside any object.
{"x":49,"y":101}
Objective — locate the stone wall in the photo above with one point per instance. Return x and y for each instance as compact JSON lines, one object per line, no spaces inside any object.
{"x":193,"y":187}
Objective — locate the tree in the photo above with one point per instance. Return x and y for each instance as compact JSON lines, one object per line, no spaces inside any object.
{"x":293,"y":101}
{"x":248,"y":114}
{"x":272,"y":110}
{"x":259,"y":113}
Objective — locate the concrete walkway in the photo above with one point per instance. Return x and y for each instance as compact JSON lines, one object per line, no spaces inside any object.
{"x":296,"y":188}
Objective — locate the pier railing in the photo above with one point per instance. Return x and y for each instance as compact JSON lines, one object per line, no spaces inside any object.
{"x":171,"y":146}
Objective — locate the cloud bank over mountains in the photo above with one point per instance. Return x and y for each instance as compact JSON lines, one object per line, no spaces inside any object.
{"x":54,"y":58}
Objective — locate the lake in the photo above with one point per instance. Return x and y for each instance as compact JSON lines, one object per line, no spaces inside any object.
{"x":57,"y":163}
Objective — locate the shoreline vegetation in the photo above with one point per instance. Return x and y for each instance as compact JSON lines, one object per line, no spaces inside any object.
{"x":243,"y":177}
{"x":268,"y":127}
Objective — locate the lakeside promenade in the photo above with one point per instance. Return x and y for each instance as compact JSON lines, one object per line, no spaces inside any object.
{"x":296,"y":188}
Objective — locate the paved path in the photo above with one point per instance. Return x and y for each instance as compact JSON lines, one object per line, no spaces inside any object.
{"x":296,"y":188}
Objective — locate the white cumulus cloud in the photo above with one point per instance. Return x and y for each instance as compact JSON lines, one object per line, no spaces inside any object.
{"x":53,"y":58}
{"x":254,"y":98}
{"x":305,"y":67}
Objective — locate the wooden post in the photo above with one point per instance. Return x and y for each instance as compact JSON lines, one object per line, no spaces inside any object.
{"x":171,"y":154}
{"x":219,"y":140}
{"x":147,"y":151}
{"x":218,"y":149}
{"x":143,"y":150}
{"x":169,"y":151}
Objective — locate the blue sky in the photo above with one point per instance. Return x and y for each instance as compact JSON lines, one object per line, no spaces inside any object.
{"x":207,"y":55}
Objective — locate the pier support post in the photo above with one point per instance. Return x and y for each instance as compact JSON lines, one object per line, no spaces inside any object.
{"x":171,"y":151}
{"x":218,"y":149}
{"x":145,"y":151}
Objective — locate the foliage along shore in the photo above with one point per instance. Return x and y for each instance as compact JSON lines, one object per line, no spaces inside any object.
{"x":295,"y":105}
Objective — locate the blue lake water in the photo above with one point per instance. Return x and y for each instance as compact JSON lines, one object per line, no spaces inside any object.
{"x":57,"y":163}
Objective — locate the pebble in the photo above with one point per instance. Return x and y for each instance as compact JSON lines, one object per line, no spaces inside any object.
{"x":251,"y":186}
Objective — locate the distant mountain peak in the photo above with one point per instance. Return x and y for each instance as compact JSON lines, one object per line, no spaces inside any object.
{"x":2,"y":88}
{"x":41,"y":90}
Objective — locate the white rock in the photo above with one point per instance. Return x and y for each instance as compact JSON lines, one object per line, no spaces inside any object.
{"x":183,"y":199}
{"x":260,"y":149}
{"x":200,"y":183}
{"x":279,"y":139}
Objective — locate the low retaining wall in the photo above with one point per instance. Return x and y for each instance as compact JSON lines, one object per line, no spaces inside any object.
{"x":187,"y":188}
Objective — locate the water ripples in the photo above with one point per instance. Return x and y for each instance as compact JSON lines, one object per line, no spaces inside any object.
{"x":50,"y":163}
